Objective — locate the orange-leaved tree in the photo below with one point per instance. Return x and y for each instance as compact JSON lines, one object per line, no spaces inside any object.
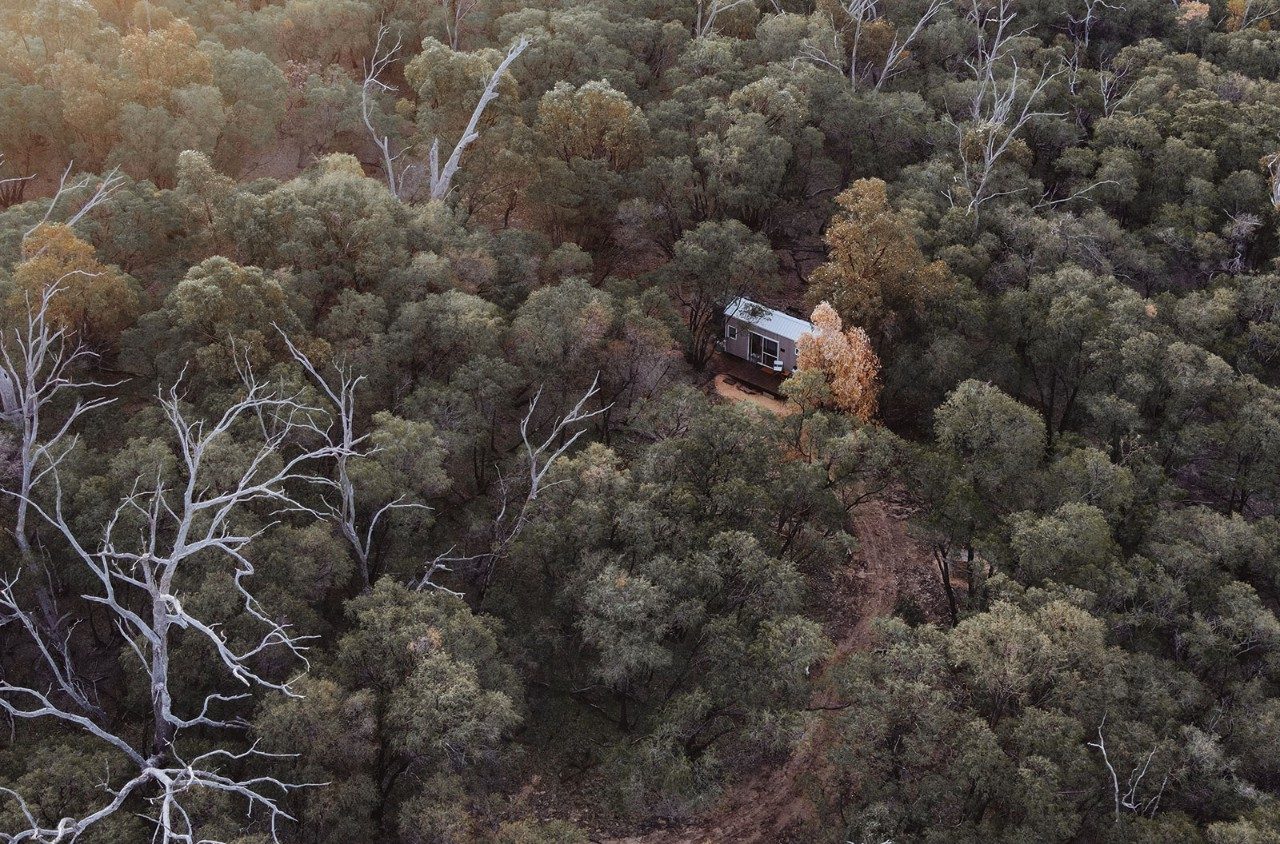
{"x":837,"y":366}
{"x":875,"y":270}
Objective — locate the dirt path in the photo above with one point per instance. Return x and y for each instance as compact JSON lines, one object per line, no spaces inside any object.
{"x":888,"y":567}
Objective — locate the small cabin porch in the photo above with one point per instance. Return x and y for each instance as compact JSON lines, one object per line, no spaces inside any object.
{"x":753,"y":375}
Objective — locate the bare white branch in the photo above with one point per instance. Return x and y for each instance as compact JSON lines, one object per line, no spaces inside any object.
{"x":347,"y":511}
{"x":156,"y":531}
{"x":12,"y":188}
{"x":540,"y":455}
{"x":382,"y":58}
{"x":1001,"y":105}
{"x":107,"y":186}
{"x":1255,"y":13}
{"x":442,"y":177}
{"x":1128,"y":799}
{"x":1272,"y":163}
{"x":709,"y":10}
{"x":402,"y":178}
{"x":898,"y":49}
{"x":455,"y":12}
{"x":844,"y":53}
{"x":1047,"y":202}
{"x":38,"y":362}
{"x":1081,"y":26}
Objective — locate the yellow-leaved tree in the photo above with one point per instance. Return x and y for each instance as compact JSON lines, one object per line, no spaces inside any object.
{"x":94,"y":302}
{"x":836,"y":367}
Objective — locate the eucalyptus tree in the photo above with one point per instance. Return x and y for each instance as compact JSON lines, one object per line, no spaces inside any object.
{"x":714,"y":264}
{"x":402,"y":179}
{"x":236,"y":474}
{"x":864,"y":44}
{"x":40,"y":365}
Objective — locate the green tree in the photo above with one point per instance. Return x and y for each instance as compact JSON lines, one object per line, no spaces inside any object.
{"x":219,"y":316}
{"x":712,"y":265}
{"x":992,"y":732}
{"x":1064,"y":330}
{"x":419,"y":694}
{"x":989,"y":448}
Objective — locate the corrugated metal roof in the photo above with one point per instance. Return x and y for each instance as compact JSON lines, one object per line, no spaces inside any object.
{"x":776,"y":322}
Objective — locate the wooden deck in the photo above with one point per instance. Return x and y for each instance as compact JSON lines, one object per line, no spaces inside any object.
{"x":748,"y":373}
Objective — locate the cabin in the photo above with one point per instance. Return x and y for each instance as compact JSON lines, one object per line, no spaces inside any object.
{"x":763,"y":335}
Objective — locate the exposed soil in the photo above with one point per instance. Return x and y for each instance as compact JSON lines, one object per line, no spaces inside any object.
{"x":282,"y":161}
{"x":888,"y":569}
{"x":733,"y":390}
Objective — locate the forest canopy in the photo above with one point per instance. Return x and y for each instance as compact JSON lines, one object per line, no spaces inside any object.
{"x":375,"y":465}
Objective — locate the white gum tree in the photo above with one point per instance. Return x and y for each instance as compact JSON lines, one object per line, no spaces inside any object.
{"x":39,"y":366}
{"x":404,"y":174}
{"x":1003,"y":102}
{"x":135,"y":564}
{"x":343,"y":505}
{"x":845,"y":52}
{"x":516,"y":494}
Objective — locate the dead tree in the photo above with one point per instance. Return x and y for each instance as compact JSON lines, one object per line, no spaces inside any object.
{"x":442,"y":177}
{"x":134,"y":563}
{"x":1111,"y":89}
{"x":1080,"y":29}
{"x":12,"y":188}
{"x":516,"y":495}
{"x":343,"y":506}
{"x":455,"y":12}
{"x":1127,"y":800}
{"x":898,"y":48}
{"x":1272,"y":164}
{"x":861,"y":15}
{"x":101,"y":193}
{"x":1243,"y":226}
{"x":1002,"y":104}
{"x":1254,"y":13}
{"x":38,"y":364}
{"x":402,"y":178}
{"x":704,"y":22}
{"x":381,"y":59}
{"x":1048,"y":201}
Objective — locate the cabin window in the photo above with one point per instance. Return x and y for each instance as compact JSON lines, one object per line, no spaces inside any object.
{"x":731,"y":332}
{"x":761,"y":349}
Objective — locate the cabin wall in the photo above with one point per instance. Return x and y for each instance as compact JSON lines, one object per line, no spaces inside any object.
{"x":740,"y":347}
{"x":736,"y":346}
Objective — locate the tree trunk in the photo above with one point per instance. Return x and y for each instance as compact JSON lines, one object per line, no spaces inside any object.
{"x":944,"y":570}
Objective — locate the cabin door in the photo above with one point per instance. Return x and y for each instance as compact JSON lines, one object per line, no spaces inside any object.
{"x":763,"y":350}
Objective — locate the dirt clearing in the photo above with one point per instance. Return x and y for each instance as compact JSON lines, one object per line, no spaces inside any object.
{"x":733,"y":390}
